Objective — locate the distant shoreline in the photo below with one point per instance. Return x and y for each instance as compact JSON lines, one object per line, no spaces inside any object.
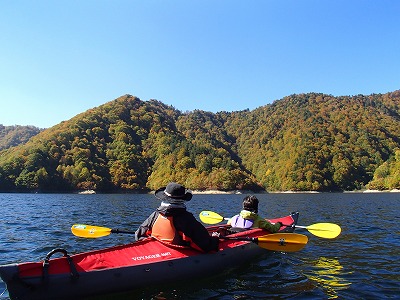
{"x":236,"y":192}
{"x":201,"y":192}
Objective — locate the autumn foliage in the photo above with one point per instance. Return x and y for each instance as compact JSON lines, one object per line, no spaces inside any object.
{"x":301,"y":142}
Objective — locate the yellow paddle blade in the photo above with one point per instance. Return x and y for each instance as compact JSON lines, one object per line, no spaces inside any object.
{"x":88,"y":231}
{"x":325,"y":230}
{"x":210,"y":217}
{"x":285,"y":242}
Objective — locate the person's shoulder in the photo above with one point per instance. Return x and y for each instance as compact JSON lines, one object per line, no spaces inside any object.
{"x":180,"y":212}
{"x":258,"y":218}
{"x":154,"y":213}
{"x":187,"y":213}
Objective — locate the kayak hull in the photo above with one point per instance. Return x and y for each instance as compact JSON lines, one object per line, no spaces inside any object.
{"x":62,"y":286}
{"x":127,"y":267}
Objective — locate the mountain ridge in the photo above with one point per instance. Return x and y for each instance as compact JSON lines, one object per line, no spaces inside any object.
{"x":309,"y":141}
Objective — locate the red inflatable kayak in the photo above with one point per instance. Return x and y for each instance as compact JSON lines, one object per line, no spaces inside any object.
{"x":128,"y":267}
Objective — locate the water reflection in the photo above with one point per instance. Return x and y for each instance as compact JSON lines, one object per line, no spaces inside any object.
{"x":329,"y":274}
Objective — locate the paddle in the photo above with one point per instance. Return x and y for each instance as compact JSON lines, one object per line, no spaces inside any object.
{"x":89,"y":231}
{"x":323,"y":230}
{"x":285,"y":242}
{"x":210,"y":217}
{"x":288,"y":242}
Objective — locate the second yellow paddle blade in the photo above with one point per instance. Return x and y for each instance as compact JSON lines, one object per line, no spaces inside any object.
{"x":88,"y":231}
{"x":325,"y":230}
{"x":285,"y":242}
{"x":210,"y":217}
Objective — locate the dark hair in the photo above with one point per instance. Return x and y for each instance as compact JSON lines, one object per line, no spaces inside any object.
{"x":250,"y":203}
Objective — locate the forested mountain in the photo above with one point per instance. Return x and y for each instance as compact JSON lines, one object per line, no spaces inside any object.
{"x":318,"y":142}
{"x":301,"y":142}
{"x":125,"y":144}
{"x":11,"y":136}
{"x":387,"y":175}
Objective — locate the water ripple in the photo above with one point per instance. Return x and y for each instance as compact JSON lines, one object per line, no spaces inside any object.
{"x":362,"y":263}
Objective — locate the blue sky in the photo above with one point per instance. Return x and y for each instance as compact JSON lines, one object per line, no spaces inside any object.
{"x":60,"y":58}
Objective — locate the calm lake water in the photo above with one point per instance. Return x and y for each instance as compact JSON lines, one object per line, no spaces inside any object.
{"x":362,"y":263}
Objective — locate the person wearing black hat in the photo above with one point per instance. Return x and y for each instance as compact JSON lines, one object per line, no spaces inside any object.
{"x":249,"y":218}
{"x":171,"y":223}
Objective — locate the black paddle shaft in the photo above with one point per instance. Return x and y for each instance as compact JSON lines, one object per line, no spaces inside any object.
{"x":122,"y":231}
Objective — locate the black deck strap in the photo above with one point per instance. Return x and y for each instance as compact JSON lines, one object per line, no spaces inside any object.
{"x":46,"y":264}
{"x":237,"y":229}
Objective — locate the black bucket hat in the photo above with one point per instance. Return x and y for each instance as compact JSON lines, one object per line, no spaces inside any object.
{"x":172,"y":192}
